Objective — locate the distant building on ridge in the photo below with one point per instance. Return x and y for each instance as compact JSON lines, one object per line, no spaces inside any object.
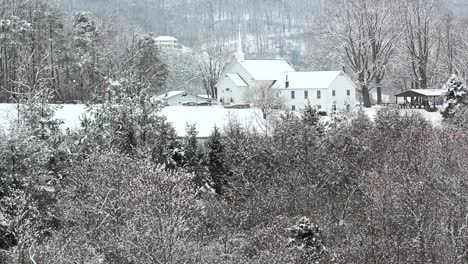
{"x":167,"y":42}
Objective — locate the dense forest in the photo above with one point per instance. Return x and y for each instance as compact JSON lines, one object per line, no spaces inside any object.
{"x":123,"y":188}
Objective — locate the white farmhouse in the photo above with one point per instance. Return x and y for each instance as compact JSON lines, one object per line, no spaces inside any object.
{"x":175,"y":98}
{"x":327,"y":90}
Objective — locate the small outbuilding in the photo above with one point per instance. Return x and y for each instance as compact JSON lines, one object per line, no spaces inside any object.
{"x":420,"y":98}
{"x":175,"y":98}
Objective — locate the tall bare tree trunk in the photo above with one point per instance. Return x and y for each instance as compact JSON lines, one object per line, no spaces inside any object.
{"x":366,"y":95}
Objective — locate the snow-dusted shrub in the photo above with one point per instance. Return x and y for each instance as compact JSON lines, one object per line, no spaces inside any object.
{"x":387,"y":118}
{"x":119,"y":209}
{"x":307,"y":236}
{"x":391,"y":122}
{"x":456,"y":98}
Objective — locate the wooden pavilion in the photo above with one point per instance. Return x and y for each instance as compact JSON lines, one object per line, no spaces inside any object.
{"x":419,"y":98}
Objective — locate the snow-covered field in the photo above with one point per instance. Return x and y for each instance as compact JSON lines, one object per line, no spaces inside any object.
{"x":204,"y":117}
{"x":434,"y":117}
{"x":69,"y":114}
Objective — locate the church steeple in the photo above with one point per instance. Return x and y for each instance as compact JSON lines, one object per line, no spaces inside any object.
{"x":240,"y":54}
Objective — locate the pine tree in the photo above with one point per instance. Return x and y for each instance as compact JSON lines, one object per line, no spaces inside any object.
{"x":38,"y":132}
{"x":310,"y":115}
{"x":85,"y":55}
{"x":32,"y":155}
{"x":216,"y":160}
{"x":128,"y":119}
{"x":191,"y":148}
{"x":145,"y":65}
{"x":195,"y":160}
{"x":456,"y":97}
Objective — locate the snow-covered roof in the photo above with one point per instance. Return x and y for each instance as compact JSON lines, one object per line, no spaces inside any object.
{"x":308,"y":80}
{"x":266,"y":70}
{"x":423,"y":92}
{"x":204,"y":96}
{"x":170,"y":94}
{"x":165,"y":38}
{"x":430,"y":92}
{"x":238,"y":81}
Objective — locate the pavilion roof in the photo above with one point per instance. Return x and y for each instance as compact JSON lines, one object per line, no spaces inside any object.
{"x":422,"y":93}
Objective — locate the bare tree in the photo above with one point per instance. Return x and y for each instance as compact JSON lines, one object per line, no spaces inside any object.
{"x":212,"y":62}
{"x":265,"y":97}
{"x":362,"y":35}
{"x":182,"y":69}
{"x":421,"y":23}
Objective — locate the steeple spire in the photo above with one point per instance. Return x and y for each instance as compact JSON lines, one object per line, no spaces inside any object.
{"x":240,"y":54}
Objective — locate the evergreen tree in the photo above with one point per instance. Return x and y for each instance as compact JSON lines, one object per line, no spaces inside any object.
{"x":456,"y":97}
{"x":216,"y":160}
{"x":191,"y":148}
{"x":32,"y":155}
{"x":84,"y":73}
{"x":37,"y":135}
{"x":144,"y":63}
{"x":129,"y":119}
{"x":310,"y":115}
{"x":196,"y":161}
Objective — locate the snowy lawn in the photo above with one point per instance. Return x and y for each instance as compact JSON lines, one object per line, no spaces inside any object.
{"x":69,"y":114}
{"x":434,"y":117}
{"x":204,"y":117}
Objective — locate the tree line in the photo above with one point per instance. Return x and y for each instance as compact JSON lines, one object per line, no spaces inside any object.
{"x":395,"y":45}
{"x":72,"y":55}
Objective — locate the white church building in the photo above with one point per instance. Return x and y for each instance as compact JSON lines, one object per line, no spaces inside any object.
{"x":329,"y":91}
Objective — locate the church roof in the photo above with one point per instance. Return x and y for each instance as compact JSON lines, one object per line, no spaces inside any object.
{"x":266,"y":70}
{"x":308,"y":80}
{"x":238,"y":81}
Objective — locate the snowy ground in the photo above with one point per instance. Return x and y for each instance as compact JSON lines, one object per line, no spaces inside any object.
{"x":69,"y":114}
{"x":434,"y":117}
{"x":204,"y":117}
